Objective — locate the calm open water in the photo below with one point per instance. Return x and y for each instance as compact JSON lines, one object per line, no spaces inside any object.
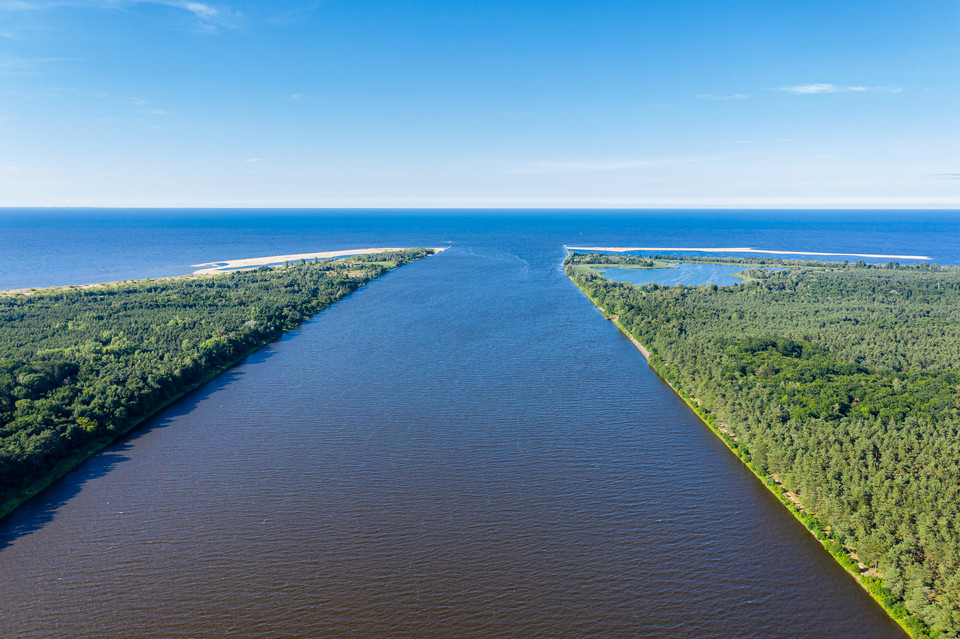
{"x":462,"y":448}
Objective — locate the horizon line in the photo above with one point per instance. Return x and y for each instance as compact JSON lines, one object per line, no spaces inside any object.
{"x":953,"y":208}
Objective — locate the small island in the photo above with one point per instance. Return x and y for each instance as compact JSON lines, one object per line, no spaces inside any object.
{"x":838,"y":385}
{"x":82,"y":366}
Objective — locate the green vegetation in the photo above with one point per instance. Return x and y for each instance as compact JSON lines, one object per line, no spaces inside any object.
{"x":839,"y":386}
{"x":79,"y":367}
{"x":619,"y":261}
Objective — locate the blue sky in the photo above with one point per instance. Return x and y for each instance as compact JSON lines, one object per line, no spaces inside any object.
{"x":355,"y":103}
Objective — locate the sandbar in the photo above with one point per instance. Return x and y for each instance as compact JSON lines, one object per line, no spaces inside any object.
{"x":213,"y":268}
{"x":740,"y":249}
{"x":209,"y":268}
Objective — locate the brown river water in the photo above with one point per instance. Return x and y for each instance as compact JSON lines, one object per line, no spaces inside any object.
{"x":463,"y":448}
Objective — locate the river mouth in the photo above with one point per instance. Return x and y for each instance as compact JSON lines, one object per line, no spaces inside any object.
{"x":461,"y":448}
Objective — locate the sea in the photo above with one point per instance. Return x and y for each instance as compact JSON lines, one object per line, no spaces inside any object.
{"x":462,"y":448}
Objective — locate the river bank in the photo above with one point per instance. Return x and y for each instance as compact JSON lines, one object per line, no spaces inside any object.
{"x":891,"y":604}
{"x":81,"y":455}
{"x":224,"y":266}
{"x":208,"y":357}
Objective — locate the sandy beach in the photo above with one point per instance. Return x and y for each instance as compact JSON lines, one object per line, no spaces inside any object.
{"x":740,"y":249}
{"x":209,"y":268}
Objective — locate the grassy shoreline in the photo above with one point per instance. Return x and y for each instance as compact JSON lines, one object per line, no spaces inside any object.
{"x":892,"y":605}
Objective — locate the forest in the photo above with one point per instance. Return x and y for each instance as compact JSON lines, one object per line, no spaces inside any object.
{"x":81,"y":365}
{"x":839,"y":385}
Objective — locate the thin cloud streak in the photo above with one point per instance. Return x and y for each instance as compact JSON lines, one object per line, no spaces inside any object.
{"x":27,"y":66}
{"x":210,"y":17}
{"x":24,"y":6}
{"x":819,"y":88}
{"x":777,"y":141}
{"x":710,"y":96}
{"x":593,"y":166}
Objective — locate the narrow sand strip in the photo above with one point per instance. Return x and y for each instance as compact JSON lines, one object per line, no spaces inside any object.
{"x":742,"y":249}
{"x":209,"y":268}
{"x":218,"y":267}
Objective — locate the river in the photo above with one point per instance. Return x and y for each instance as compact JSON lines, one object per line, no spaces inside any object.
{"x":464,"y":447}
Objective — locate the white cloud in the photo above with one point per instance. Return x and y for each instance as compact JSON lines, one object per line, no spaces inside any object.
{"x":812,"y":88}
{"x":210,"y":17}
{"x":710,"y":96}
{"x":21,"y":6}
{"x":201,"y":10}
{"x":949,"y":176}
{"x":809,"y":89}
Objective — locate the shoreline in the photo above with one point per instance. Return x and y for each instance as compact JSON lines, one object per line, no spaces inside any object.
{"x":790,"y":502}
{"x":11,"y":503}
{"x":740,"y":249}
{"x":226,"y":266}
{"x":81,"y":455}
{"x":67,"y":288}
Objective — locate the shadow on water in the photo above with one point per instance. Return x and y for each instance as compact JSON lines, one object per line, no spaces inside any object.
{"x":35,"y":514}
{"x":41,"y":510}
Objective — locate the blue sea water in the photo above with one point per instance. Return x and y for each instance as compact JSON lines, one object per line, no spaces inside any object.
{"x":463,"y":447}
{"x":40,"y":247}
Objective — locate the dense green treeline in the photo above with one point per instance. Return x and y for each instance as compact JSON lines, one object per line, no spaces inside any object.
{"x":842,"y":382}
{"x":79,"y":366}
{"x":624,"y":261}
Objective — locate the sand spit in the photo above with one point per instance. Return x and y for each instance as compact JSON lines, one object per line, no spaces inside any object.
{"x":213,"y":269}
{"x":741,"y":249}
{"x":209,"y":268}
